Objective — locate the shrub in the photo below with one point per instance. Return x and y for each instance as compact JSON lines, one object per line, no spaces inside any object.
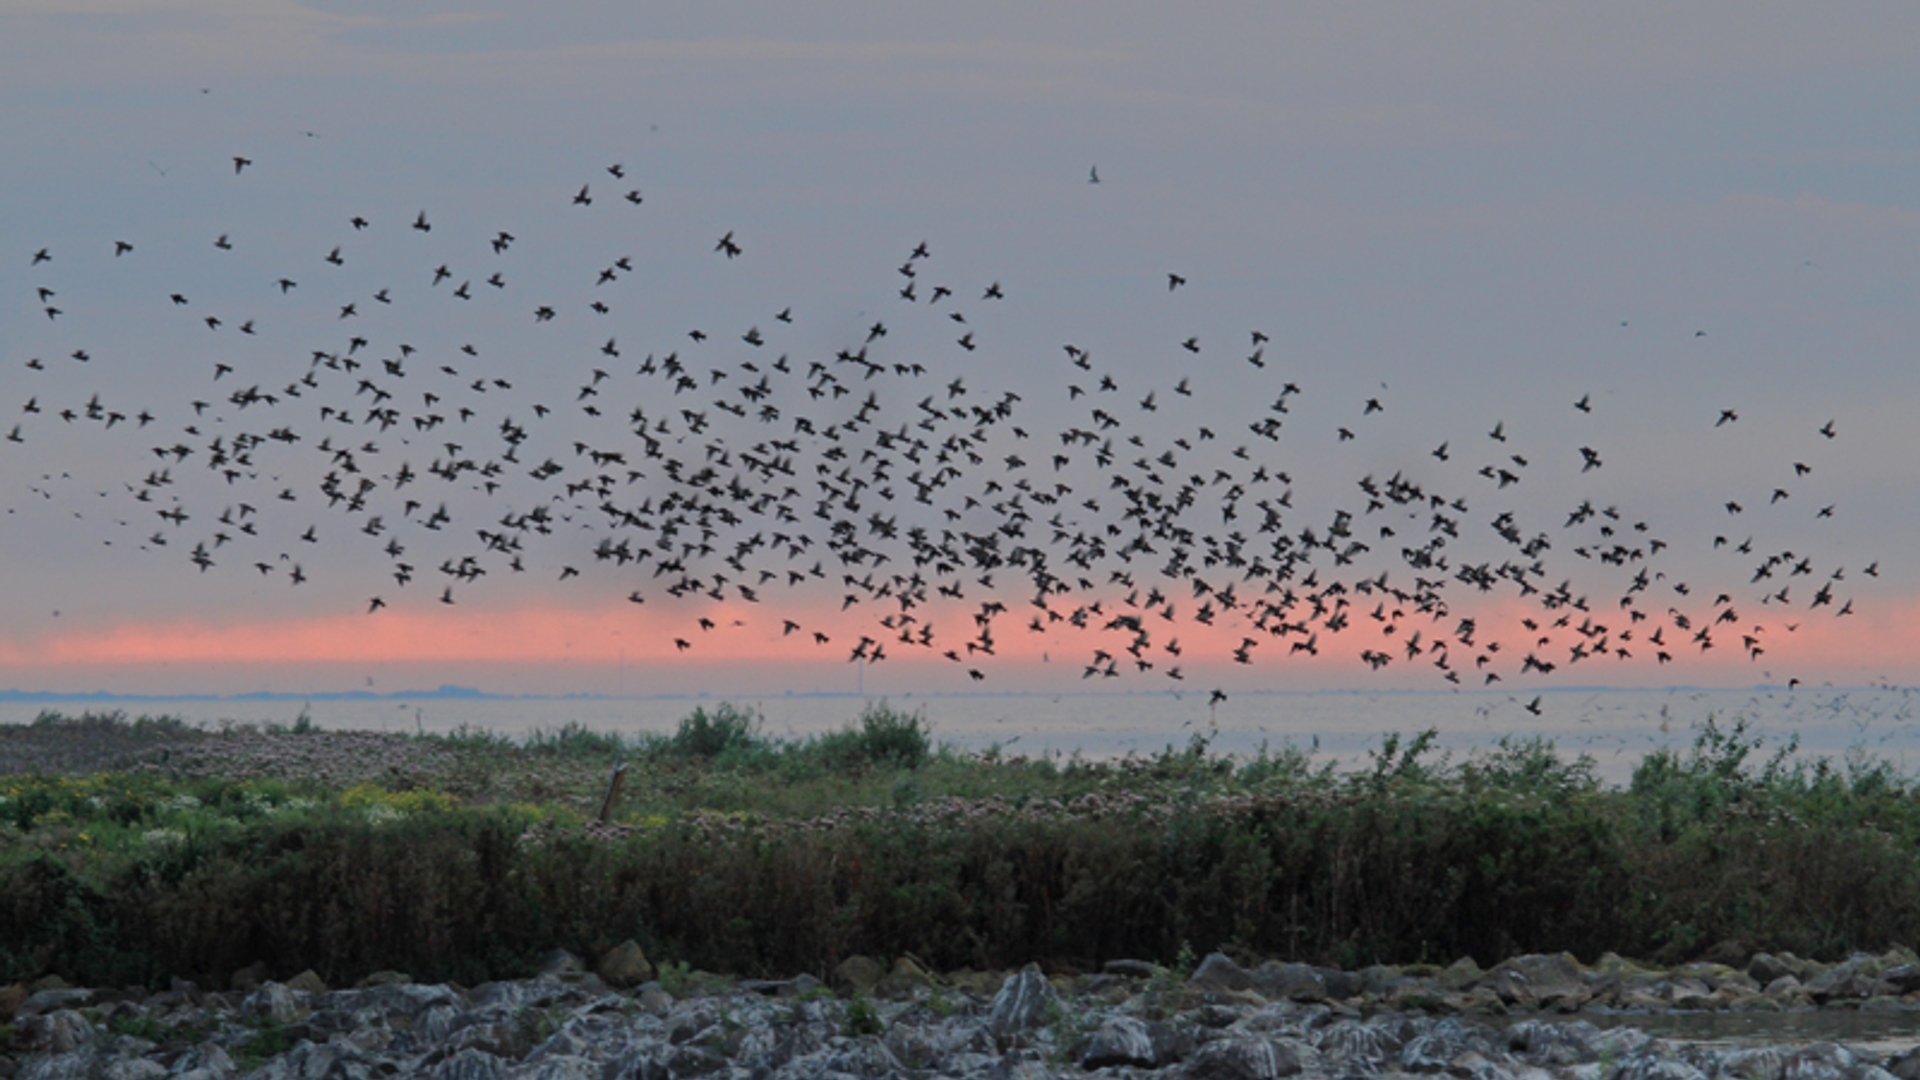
{"x":892,"y":738}
{"x":708,"y":735}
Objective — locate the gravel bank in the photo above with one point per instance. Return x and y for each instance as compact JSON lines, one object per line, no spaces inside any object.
{"x":1134,"y":1021}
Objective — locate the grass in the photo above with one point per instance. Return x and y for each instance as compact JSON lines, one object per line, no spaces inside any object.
{"x":761,"y":856}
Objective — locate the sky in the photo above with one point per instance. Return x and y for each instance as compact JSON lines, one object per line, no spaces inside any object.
{"x":1440,"y":221}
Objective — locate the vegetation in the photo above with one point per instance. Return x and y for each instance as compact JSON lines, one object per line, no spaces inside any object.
{"x":735,"y":852}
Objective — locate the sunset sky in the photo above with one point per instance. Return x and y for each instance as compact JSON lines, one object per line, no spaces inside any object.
{"x":1472,"y":215}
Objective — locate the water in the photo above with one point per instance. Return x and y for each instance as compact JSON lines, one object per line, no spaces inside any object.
{"x":1616,"y":727}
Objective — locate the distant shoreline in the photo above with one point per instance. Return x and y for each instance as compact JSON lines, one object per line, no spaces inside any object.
{"x":467,"y":693}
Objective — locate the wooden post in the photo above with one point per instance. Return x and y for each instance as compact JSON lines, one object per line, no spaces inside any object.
{"x":613,"y":791}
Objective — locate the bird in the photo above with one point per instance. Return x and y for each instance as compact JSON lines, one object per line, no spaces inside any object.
{"x":733,"y":474}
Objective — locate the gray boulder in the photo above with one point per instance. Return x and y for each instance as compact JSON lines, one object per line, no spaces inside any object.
{"x":1290,"y":982}
{"x":80,"y":1066}
{"x":470,"y":1064}
{"x":1024,"y":1002}
{"x":624,"y":965}
{"x":1219,"y":972}
{"x":133,"y":1069}
{"x":61,"y":1031}
{"x":274,"y":1001}
{"x":46,"y":1001}
{"x":1905,"y":1066}
{"x":1539,"y":981}
{"x":1766,"y":967}
{"x":561,"y":962}
{"x":1851,"y":980}
{"x":1904,"y":978}
{"x":1245,"y":1059}
{"x":1121,"y":1040}
{"x":1341,"y":985}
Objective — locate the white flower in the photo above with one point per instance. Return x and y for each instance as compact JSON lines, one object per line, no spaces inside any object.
{"x":162,"y":837}
{"x":177,"y":803}
{"x":381,"y":814}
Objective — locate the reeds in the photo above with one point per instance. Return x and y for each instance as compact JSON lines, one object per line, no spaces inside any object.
{"x":744,"y":855}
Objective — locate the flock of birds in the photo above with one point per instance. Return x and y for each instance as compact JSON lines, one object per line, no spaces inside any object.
{"x":730,"y":466}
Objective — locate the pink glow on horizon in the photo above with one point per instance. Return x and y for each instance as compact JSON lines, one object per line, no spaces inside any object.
{"x":1881,"y":641}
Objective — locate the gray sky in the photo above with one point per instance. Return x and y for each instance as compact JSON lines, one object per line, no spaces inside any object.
{"x":1475,"y":214}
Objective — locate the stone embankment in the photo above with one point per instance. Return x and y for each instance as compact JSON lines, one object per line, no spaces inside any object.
{"x":1529,"y":1018}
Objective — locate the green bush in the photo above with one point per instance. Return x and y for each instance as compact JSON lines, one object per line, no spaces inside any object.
{"x":708,"y":735}
{"x":755,"y":856}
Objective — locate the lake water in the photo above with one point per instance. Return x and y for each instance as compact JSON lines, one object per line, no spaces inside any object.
{"x":1616,"y":727}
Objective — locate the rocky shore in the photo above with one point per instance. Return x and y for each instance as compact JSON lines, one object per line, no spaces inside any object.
{"x":1529,"y":1017}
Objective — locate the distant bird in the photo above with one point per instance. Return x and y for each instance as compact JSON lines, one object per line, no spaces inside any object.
{"x":240,"y":163}
{"x":1093,"y":175}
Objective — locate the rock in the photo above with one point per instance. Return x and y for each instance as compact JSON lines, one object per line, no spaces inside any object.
{"x":12,"y":997}
{"x":1024,"y":1002}
{"x":1852,"y":980}
{"x":1132,"y":969}
{"x":1378,"y":978}
{"x":1689,"y":994}
{"x":383,"y":978}
{"x":208,"y":1058}
{"x":1539,"y":981}
{"x":249,"y":978}
{"x":274,"y":1001}
{"x":60,"y":1067}
{"x":1459,"y":975}
{"x":1341,"y":985}
{"x":1218,"y":972}
{"x":654,"y":1001}
{"x":624,"y":965}
{"x":61,"y":1031}
{"x":1121,"y":1040}
{"x":1289,"y":982}
{"x":47,"y":982}
{"x":133,"y":1069}
{"x":307,"y":982}
{"x":46,"y":1001}
{"x":470,"y":1064}
{"x":559,"y":962}
{"x":858,"y":975}
{"x":902,"y":981}
{"x":1766,"y":967}
{"x":1905,"y":1066}
{"x":1904,"y":978}
{"x":1244,"y":1059}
